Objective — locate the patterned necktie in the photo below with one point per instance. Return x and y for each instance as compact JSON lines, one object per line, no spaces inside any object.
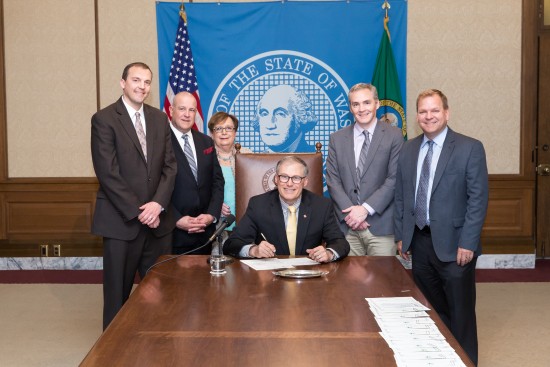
{"x":421,"y":207}
{"x":291,"y":229}
{"x":141,"y":135}
{"x":189,"y":154}
{"x":361,"y":164}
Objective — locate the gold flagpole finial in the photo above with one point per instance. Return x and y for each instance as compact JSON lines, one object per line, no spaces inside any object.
{"x":386,"y":6}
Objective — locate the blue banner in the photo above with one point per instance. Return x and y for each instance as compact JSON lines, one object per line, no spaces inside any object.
{"x":300,"y":56}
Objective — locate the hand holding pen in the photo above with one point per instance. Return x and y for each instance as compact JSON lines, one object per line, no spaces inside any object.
{"x":263,"y":250}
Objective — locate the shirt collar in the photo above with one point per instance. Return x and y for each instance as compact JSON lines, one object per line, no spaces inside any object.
{"x":131,"y":110}
{"x":439,"y":139}
{"x":285,"y":206}
{"x":178,"y":133}
{"x":358,"y":130}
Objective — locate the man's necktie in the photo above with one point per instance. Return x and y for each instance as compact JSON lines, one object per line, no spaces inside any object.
{"x":189,"y":154}
{"x":141,"y":135}
{"x":421,"y":206}
{"x":291,"y":229}
{"x":361,"y":163}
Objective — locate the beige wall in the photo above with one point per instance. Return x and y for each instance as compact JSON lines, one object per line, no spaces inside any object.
{"x":469,"y":49}
{"x":50,"y":86}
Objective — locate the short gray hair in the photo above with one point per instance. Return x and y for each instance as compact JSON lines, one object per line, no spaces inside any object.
{"x":292,"y":159}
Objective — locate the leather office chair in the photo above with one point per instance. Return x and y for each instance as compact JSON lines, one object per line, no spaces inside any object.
{"x":254,"y":173}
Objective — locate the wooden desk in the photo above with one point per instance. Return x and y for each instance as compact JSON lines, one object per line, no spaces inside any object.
{"x":180,"y":315}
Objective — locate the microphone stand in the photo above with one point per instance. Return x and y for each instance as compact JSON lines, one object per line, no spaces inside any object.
{"x":217,"y":250}
{"x":225,"y":259}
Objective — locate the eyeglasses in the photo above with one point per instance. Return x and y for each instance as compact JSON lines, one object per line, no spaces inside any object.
{"x":220,"y":129}
{"x":295,"y":179}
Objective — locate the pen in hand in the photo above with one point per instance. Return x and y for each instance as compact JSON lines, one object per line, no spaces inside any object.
{"x":265,"y":239}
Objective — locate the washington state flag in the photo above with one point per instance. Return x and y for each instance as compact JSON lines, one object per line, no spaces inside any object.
{"x":386,"y":80}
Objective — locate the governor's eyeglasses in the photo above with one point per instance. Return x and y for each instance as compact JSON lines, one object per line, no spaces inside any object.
{"x":295,"y":179}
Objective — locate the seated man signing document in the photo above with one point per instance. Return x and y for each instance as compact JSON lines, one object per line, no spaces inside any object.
{"x":288,"y":221}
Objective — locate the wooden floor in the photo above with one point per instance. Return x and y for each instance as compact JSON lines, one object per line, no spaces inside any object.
{"x":56,"y":325}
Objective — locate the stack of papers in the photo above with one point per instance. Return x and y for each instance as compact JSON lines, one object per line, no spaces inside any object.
{"x":411,"y":333}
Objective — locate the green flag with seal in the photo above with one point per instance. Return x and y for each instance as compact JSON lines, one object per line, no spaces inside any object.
{"x":386,"y":80}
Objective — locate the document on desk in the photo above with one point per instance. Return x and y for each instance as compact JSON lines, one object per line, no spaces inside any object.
{"x":411,"y":333}
{"x":389,"y":305}
{"x":275,"y":263}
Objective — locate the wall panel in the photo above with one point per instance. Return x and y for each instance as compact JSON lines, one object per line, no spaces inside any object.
{"x":50,"y":86}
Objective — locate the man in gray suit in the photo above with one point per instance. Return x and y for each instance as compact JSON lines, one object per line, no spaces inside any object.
{"x":441,"y":197}
{"x":361,"y":166}
{"x":136,"y":169}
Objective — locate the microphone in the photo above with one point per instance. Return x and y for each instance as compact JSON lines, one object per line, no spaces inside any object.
{"x":226,"y":222}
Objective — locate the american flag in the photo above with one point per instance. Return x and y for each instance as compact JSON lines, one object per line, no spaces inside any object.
{"x":182,"y":77}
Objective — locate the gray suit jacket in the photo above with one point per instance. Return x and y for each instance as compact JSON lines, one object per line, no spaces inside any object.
{"x":459,"y":198}
{"x":378,"y":181}
{"x":126,"y":180}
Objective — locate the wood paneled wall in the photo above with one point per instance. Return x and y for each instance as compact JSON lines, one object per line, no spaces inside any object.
{"x":60,"y":212}
{"x":48,"y":212}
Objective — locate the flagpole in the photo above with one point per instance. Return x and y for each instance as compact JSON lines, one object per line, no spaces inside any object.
{"x":182,"y":76}
{"x":386,"y":6}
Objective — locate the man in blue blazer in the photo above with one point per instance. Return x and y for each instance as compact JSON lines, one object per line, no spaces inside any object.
{"x":441,"y":198}
{"x":264,"y":232}
{"x":198,"y":192}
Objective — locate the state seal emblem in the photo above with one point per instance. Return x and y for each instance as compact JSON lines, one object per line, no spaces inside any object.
{"x":286,"y":101}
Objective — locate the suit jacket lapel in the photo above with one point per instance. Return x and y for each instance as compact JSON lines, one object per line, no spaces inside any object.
{"x":303,"y":221}
{"x":349,"y":153}
{"x":277,"y":220}
{"x":151,"y":134}
{"x":201,"y":157}
{"x":416,"y":143}
{"x":128,"y":125}
{"x":446,"y":152}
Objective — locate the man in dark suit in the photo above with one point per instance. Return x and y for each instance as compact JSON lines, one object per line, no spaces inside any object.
{"x":288,"y":221}
{"x":136,"y":168}
{"x":441,"y":197}
{"x":361,"y":166}
{"x":198,"y":193}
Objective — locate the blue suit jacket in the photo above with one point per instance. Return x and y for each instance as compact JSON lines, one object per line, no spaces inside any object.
{"x":459,"y":198}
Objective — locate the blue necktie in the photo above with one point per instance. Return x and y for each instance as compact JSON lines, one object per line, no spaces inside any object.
{"x":189,"y":154}
{"x":421,"y":207}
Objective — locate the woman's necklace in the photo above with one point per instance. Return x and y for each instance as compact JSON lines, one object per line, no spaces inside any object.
{"x":230,"y":159}
{"x":225,"y":159}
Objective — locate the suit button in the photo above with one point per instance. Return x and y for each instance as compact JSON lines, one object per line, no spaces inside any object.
{"x":355,"y":191}
{"x":149,"y":179}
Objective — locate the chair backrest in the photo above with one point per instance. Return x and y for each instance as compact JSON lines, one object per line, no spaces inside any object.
{"x":254,"y":173}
